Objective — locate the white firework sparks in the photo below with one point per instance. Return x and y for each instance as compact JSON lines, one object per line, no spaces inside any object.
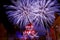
{"x":44,"y":11}
{"x":21,"y":13}
{"x":32,"y":11}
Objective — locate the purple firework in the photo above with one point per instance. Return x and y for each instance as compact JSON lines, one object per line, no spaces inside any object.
{"x":44,"y":11}
{"x":38,"y":12}
{"x":21,"y":14}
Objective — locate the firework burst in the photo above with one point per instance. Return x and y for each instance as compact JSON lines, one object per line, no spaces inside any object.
{"x":38,"y":12}
{"x":20,"y":13}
